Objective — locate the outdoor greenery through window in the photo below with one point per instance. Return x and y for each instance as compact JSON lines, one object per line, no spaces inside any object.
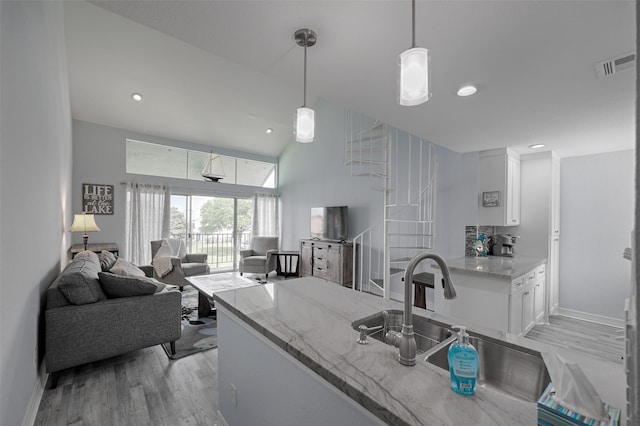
{"x":153,"y":159}
{"x":218,"y":226}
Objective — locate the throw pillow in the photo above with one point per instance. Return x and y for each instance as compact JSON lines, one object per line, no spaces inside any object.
{"x":79,"y":282}
{"x":123,"y":286}
{"x":107,"y":260}
{"x":122,"y":267}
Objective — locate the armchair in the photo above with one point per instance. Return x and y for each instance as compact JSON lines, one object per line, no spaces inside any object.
{"x":189,"y":265}
{"x":260,"y":258}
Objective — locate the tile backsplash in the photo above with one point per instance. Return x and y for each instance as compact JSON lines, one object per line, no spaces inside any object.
{"x":470,"y":235}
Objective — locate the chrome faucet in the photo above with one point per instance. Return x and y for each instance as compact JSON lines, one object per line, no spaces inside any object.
{"x":405,"y":341}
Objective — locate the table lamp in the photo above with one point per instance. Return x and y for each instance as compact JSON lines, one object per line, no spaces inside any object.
{"x":84,"y":223}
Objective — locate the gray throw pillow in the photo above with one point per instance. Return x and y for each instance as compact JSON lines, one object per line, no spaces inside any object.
{"x":79,"y":283}
{"x":123,"y":286}
{"x":122,"y":267}
{"x":107,"y":260}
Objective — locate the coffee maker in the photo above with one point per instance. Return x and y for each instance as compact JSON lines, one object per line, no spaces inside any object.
{"x":503,"y":245}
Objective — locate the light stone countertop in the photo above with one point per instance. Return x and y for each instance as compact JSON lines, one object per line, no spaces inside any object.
{"x":310,"y":319}
{"x":495,"y":266}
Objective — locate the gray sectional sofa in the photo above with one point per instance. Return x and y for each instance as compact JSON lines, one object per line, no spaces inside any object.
{"x":99,"y":307}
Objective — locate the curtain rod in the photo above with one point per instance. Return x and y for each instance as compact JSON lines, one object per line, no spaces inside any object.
{"x":222,"y":191}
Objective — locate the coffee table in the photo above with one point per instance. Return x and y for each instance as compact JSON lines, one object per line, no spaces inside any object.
{"x":213,"y":283}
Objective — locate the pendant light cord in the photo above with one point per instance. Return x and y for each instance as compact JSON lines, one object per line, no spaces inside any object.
{"x":304,"y":102}
{"x":413,"y":24}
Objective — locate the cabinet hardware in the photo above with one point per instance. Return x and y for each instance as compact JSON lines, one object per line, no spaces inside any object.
{"x":526,"y":293}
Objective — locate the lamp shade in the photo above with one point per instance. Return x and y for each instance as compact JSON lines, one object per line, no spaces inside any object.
{"x":413,"y":76}
{"x":305,"y":125}
{"x":84,"y":223}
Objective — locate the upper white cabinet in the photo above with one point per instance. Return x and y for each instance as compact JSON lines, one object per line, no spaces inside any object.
{"x":499,"y":187}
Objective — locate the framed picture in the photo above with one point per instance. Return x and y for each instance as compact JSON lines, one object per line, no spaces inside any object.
{"x":97,"y":199}
{"x":491,"y":199}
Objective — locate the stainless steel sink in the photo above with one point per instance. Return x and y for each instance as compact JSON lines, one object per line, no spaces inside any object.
{"x":510,"y":369}
{"x":428,"y":332}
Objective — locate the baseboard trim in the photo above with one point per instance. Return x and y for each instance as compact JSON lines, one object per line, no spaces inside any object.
{"x":36,"y":397}
{"x":600,"y":319}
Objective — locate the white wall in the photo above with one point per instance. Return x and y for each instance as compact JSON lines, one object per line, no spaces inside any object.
{"x":596,"y":219}
{"x":99,"y":156}
{"x":315,"y":175}
{"x":35,"y":182}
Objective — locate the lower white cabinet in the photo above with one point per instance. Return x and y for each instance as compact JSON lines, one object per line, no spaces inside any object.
{"x":539,"y":295}
{"x":508,"y":305}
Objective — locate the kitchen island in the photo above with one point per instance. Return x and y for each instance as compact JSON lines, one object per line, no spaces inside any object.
{"x":308,"y":322}
{"x":502,"y":293}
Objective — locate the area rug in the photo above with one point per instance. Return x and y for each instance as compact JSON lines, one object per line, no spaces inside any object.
{"x":198,"y":334}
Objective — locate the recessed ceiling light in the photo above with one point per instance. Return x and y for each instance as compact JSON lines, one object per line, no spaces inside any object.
{"x":269,"y":131}
{"x":467,"y":90}
{"x":136,"y":97}
{"x":536,"y":146}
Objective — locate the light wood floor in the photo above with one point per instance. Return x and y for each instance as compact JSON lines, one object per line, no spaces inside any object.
{"x":139,"y":388}
{"x":598,"y":340}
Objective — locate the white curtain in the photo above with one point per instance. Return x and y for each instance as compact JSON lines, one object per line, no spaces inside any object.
{"x":148,"y":216}
{"x":265,"y":216}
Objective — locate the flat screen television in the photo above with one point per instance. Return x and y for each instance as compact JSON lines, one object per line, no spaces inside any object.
{"x":329,"y":223}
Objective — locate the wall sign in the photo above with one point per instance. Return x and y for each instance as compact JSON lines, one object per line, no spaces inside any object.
{"x":97,"y":199}
{"x":491,"y":199}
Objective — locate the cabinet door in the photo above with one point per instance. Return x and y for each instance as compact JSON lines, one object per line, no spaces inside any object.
{"x":334,"y":263}
{"x":515,"y":312}
{"x":527,"y":309}
{"x":555,"y":196}
{"x":554,"y":273}
{"x":538,"y":291}
{"x":513,"y":191}
{"x":306,"y":256}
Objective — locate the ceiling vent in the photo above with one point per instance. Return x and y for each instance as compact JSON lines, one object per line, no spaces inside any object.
{"x":612,"y":66}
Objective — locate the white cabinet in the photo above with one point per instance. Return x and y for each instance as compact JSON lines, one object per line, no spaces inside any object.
{"x":499,"y":171}
{"x":539,"y":228}
{"x":539,"y":295}
{"x":515,"y":312}
{"x":526,"y":302}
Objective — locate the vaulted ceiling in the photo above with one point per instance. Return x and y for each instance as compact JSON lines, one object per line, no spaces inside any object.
{"x":221,"y":72}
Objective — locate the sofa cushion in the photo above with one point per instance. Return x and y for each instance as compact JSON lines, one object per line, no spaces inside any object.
{"x":125,"y":268}
{"x":125,"y":286}
{"x":79,"y":283}
{"x":255,"y":261}
{"x":107,"y":260}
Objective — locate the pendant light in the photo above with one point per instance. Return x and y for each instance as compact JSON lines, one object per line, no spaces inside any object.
{"x":305,"y":117}
{"x":413,"y":70}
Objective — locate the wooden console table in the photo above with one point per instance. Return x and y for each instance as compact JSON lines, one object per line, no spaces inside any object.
{"x":95,"y":247}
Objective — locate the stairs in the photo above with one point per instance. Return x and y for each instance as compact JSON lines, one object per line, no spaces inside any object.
{"x":404,"y":167}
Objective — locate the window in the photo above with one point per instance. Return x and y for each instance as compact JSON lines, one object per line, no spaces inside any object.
{"x":153,"y":159}
{"x":218,"y":226}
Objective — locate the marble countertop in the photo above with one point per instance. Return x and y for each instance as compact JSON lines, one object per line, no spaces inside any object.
{"x":311,"y":318}
{"x":495,"y":266}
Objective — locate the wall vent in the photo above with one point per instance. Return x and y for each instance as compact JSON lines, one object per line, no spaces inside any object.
{"x":614,"y":65}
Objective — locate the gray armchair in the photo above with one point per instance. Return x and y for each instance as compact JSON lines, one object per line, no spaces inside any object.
{"x":190,"y":265}
{"x":260,"y":258}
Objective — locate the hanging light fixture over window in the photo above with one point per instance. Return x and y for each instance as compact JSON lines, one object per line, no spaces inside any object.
{"x":413,"y":70}
{"x":305,"y":117}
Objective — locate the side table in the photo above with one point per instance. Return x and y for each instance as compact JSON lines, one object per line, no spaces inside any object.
{"x":290,"y":269}
{"x":96,"y":248}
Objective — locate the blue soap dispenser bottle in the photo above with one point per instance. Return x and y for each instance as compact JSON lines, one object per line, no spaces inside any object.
{"x":463,"y":363}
